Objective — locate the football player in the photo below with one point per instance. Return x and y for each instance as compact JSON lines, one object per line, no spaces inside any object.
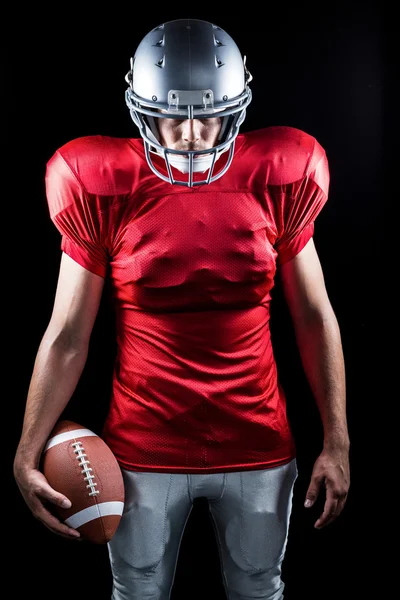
{"x":190,"y":221}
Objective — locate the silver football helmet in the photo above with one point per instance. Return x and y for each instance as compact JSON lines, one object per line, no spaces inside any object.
{"x":188,"y":69}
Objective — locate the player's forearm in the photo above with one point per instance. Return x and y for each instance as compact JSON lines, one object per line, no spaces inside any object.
{"x":320,"y":347}
{"x":57,"y":369}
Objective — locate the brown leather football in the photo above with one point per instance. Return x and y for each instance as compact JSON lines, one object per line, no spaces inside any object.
{"x":79,"y":464}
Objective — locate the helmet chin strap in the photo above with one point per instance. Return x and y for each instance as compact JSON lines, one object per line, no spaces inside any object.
{"x":201,"y":163}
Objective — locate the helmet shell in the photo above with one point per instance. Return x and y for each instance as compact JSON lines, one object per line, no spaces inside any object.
{"x":190,"y":55}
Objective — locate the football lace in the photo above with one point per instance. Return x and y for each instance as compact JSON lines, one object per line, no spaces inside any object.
{"x":86,"y":471}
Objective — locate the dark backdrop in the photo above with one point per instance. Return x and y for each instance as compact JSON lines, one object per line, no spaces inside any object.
{"x":326,"y":70}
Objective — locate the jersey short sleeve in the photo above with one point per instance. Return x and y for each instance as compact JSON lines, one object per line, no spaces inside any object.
{"x":300,"y":205}
{"x":74,"y":212}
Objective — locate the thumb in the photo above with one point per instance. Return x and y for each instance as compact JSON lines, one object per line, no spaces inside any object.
{"x":313,"y":491}
{"x":64,"y":502}
{"x":59,"y":499}
{"x":52,"y":495}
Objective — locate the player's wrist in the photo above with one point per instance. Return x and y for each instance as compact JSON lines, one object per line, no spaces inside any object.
{"x":337,"y":443}
{"x":26,"y":459}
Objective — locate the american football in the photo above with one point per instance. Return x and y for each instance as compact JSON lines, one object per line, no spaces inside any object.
{"x":78,"y":463}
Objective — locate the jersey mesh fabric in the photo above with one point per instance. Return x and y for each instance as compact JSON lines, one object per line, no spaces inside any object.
{"x":195,"y":385}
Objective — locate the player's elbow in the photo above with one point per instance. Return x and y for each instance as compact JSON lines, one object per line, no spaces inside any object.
{"x":65,"y":339}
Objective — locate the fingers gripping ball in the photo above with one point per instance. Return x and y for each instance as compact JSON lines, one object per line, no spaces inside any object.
{"x":80,"y":465}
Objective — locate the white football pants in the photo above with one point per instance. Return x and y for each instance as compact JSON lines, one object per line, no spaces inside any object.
{"x":250,"y":513}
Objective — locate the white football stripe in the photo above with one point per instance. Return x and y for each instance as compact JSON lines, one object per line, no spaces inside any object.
{"x":94,"y":512}
{"x":68,"y":435}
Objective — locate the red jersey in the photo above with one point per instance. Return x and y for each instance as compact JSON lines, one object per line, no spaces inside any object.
{"x":195,"y":386}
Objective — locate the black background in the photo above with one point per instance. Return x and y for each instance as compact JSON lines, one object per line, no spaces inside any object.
{"x":328,"y":70}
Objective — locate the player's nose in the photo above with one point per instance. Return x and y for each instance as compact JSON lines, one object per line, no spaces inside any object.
{"x":191,"y":130}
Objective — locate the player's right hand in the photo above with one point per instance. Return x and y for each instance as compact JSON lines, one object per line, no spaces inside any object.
{"x":38,"y":493}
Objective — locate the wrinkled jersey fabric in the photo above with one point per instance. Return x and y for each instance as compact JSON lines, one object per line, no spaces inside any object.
{"x":195,"y":386}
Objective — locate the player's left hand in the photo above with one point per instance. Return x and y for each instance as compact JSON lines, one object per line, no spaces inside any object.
{"x":332,"y":470}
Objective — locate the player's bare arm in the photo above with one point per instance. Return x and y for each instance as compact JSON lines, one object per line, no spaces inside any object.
{"x":319,"y":342}
{"x":58,"y":366}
